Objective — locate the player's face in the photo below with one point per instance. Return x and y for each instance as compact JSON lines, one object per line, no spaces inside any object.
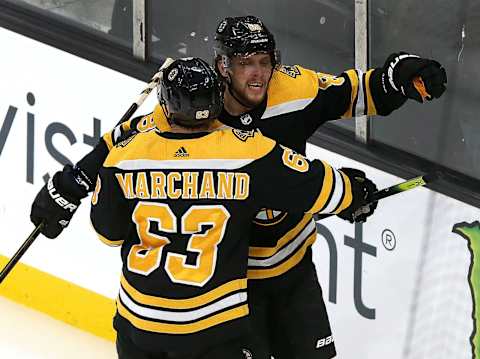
{"x":250,"y":77}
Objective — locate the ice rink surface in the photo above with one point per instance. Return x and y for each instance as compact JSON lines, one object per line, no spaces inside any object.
{"x":29,"y":334}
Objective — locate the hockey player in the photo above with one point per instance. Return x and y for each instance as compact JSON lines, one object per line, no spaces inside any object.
{"x":288,"y":103}
{"x":181,"y":203}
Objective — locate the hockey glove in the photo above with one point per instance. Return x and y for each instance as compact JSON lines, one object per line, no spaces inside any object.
{"x":362,"y":191}
{"x":58,"y":200}
{"x":415,"y":77}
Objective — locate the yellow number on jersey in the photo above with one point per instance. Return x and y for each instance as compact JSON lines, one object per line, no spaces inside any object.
{"x":98,"y":186}
{"x":145,"y":257}
{"x":206,"y":244}
{"x":294,"y":160}
{"x":146,"y":123}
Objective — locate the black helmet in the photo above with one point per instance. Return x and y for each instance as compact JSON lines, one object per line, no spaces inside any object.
{"x":190,"y":92}
{"x":244,"y":35}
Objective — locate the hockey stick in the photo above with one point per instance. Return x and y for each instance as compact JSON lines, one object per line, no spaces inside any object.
{"x":405,"y":186}
{"x":154,"y":81}
{"x":397,"y":188}
{"x":11,"y":263}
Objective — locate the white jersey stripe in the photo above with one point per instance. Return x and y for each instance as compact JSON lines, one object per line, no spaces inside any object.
{"x":286,"y":107}
{"x":182,"y":316}
{"x":360,"y":106}
{"x":207,"y":164}
{"x":337,"y":193}
{"x":285,"y":251}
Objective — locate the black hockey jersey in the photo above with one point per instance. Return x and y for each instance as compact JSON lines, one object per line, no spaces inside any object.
{"x":298,"y":102}
{"x":181,"y":206}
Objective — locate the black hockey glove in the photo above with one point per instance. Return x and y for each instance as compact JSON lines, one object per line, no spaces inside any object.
{"x":415,"y":77}
{"x":362,"y":191}
{"x":58,"y":200}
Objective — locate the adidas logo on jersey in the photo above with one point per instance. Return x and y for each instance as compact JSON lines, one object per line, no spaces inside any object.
{"x":181,"y":152}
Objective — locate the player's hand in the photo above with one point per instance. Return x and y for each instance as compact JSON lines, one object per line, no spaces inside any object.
{"x":415,"y":77}
{"x":57,"y":201}
{"x":362,"y":191}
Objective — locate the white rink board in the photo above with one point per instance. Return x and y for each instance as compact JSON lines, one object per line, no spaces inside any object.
{"x":406,"y":294}
{"x":70,"y":91}
{"x":412,"y":297}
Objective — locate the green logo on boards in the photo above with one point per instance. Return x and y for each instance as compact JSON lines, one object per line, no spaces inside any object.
{"x":471,"y":232}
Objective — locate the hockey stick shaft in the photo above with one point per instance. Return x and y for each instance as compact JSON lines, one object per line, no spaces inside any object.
{"x":154,"y":81}
{"x":404,"y":186}
{"x":16,"y":257}
{"x":395,"y":189}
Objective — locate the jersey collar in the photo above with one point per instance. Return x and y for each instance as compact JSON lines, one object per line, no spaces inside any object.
{"x":246,"y":121}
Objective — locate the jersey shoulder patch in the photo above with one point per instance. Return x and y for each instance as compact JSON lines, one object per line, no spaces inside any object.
{"x":288,"y":70}
{"x":243,"y":143}
{"x":291,"y":89}
{"x":243,"y":135}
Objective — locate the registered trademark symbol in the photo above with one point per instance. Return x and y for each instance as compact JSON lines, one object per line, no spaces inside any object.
{"x":388,"y":239}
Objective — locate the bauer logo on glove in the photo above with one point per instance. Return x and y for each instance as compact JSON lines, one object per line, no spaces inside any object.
{"x":62,"y":202}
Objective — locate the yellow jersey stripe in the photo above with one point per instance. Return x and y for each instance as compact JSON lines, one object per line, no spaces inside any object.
{"x":169,"y":328}
{"x":297,"y":91}
{"x":347,"y":199}
{"x":285,"y":266}
{"x":352,"y":75}
{"x":150,"y":146}
{"x":108,"y":242}
{"x":265,"y":252}
{"x":223,"y":304}
{"x":326,"y":189}
{"x":286,"y":251}
{"x":184,"y":303}
{"x":337,"y":193}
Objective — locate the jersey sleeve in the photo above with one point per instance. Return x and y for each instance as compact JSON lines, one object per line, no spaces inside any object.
{"x":127,"y":128}
{"x":106,"y":207}
{"x":135,"y":125}
{"x":91,"y":162}
{"x":353,"y":93}
{"x":286,"y":180}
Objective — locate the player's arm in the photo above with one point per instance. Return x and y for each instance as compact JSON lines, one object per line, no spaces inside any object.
{"x":107,"y":205}
{"x":289,"y":181}
{"x":377,"y":91}
{"x":74,"y":183}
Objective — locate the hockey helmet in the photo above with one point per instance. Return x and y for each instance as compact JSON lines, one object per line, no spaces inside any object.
{"x":244,"y":36}
{"x":190,"y":92}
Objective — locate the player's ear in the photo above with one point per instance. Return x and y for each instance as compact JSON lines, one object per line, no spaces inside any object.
{"x":221,"y":66}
